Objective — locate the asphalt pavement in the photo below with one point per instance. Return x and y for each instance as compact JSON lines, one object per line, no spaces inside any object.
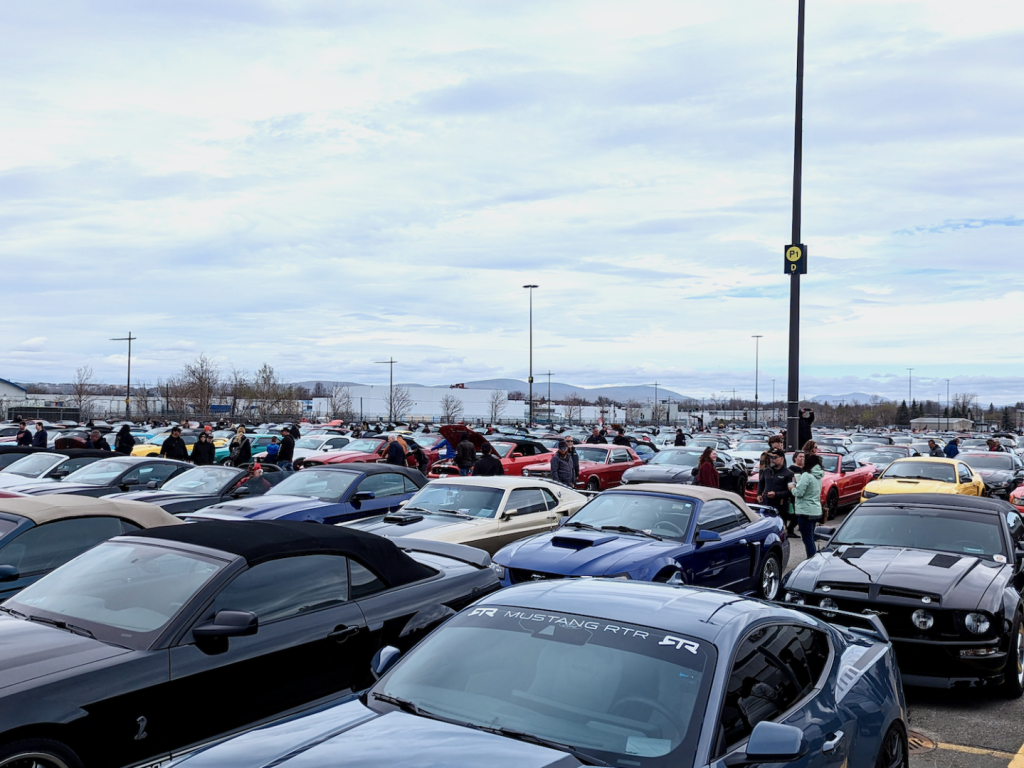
{"x":956,"y":729}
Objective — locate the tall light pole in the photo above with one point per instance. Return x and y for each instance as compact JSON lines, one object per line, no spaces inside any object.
{"x":128,"y":389}
{"x":757,"y":360}
{"x":656,"y":413}
{"x":391,"y":388}
{"x":910,"y":384}
{"x":947,"y":405}
{"x":550,"y":420}
{"x":531,"y":287}
{"x":773,"y":404}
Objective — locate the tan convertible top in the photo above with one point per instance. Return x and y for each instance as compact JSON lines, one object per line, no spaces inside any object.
{"x":694,"y":492}
{"x":45,"y":509}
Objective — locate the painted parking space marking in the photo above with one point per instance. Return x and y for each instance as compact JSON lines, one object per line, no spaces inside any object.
{"x":989,"y":752}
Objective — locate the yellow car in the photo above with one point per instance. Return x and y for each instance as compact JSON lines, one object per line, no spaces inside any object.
{"x":922,"y":474}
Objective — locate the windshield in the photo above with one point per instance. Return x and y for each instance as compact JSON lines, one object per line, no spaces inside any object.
{"x":748,"y":445}
{"x":123,"y":593}
{"x":919,"y":470}
{"x":628,"y":695}
{"x":878,"y":459}
{"x":973,"y":460}
{"x":364,"y":446}
{"x":503,"y":449}
{"x":678,"y":458}
{"x":942,"y":530}
{"x":311,"y":445}
{"x":201,"y":480}
{"x":98,"y":473}
{"x":661,"y":515}
{"x":596,"y":455}
{"x":475,"y":500}
{"x":324,"y":484}
{"x":33,"y":465}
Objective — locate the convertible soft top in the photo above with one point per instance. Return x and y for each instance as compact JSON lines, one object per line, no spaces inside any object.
{"x":259,"y":540}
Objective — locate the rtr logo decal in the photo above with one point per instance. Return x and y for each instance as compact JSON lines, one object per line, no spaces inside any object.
{"x":489,"y":612}
{"x":680,"y":643}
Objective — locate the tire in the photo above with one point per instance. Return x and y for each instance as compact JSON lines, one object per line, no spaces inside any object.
{"x":38,"y":753}
{"x":1013,"y":673}
{"x":769,"y":578}
{"x":831,"y":505}
{"x":894,"y":752}
{"x":593,"y":484}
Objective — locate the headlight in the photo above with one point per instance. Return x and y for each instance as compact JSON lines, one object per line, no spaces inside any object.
{"x":795,"y":597}
{"x":922,"y":619}
{"x":869,"y":494}
{"x":620,"y":577}
{"x":829,"y":604}
{"x":977,"y":623}
{"x":498,"y":569}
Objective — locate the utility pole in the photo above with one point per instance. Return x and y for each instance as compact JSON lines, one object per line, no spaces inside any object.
{"x":391,"y":388}
{"x":910,"y":385}
{"x":128,"y":390}
{"x":550,"y":420}
{"x":947,"y":405}
{"x":773,"y":404}
{"x":757,"y":359}
{"x":657,"y":413}
{"x":531,"y":287}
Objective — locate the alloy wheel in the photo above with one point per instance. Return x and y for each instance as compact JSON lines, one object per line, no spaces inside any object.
{"x":1019,"y":653}
{"x":770,"y":579}
{"x":892,"y":754}
{"x":32,"y":760}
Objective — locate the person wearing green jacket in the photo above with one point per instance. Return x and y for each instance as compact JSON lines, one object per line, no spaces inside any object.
{"x":807,"y":501}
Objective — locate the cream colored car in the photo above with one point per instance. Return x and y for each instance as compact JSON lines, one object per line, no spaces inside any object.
{"x":484,"y":512}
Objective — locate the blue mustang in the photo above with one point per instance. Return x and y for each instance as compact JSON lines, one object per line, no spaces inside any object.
{"x":327,"y":494}
{"x":600,"y":672}
{"x":679,"y":534}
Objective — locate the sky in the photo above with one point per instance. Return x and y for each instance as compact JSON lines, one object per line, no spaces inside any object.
{"x":324,"y":185}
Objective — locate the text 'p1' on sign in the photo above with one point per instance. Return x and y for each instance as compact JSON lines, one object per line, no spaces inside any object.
{"x":796,"y":260}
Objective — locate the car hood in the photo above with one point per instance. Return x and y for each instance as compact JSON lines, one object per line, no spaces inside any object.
{"x":40,"y":488}
{"x":990,"y":476}
{"x":11,"y":480}
{"x":427,"y":525}
{"x":658,"y":473}
{"x":161,"y":497}
{"x":351,"y":735}
{"x":261,"y":507}
{"x":909,"y":486}
{"x":29,"y":650}
{"x":571,"y":552}
{"x":960,"y":583}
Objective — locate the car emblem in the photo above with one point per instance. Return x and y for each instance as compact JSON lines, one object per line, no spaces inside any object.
{"x":537,"y":577}
{"x":926,"y":600}
{"x":873,"y":612}
{"x":826,"y":589}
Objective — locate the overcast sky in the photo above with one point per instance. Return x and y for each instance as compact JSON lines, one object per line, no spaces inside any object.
{"x":321,"y":185}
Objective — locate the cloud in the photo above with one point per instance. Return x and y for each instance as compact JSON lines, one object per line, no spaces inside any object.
{"x":35,"y":344}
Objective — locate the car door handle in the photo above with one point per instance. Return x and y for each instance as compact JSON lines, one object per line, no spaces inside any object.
{"x":342,"y":633}
{"x":830,"y":744}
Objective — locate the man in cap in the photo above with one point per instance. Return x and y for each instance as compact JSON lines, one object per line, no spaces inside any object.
{"x":174,"y":447}
{"x":775,"y":487}
{"x":561,"y":465}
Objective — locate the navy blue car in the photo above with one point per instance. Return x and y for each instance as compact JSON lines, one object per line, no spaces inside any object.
{"x":679,"y":534}
{"x":326,"y":494}
{"x":602,"y":672}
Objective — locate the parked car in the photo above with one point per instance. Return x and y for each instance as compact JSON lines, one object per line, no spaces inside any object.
{"x":107,"y":476}
{"x":1002,"y":472}
{"x":678,"y":534}
{"x":942,"y":574}
{"x":926,"y":475}
{"x":599,"y":672}
{"x":38,"y":535}
{"x":332,"y":494}
{"x":601,"y":466}
{"x":49,"y":465}
{"x":281,"y":614}
{"x":201,"y":487}
{"x":679,"y":465}
{"x":363,"y":450}
{"x":310,"y":445}
{"x":844,"y":482}
{"x":484,"y":512}
{"x":515,"y":453}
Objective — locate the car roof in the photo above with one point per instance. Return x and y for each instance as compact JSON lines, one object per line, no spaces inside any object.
{"x":927,"y":459}
{"x":699,"y":492}
{"x":45,"y":509}
{"x":365,"y":467}
{"x":940,"y":501}
{"x":258,"y":540}
{"x":501,"y":481}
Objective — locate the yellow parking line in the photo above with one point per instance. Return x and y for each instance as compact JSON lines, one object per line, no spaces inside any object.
{"x":1018,"y":759}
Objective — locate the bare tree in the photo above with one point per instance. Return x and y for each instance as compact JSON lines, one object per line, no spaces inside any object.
{"x":140,"y":401}
{"x":633,"y":408}
{"x":496,"y":403}
{"x":574,"y":408}
{"x":340,"y":405}
{"x":235,"y":388}
{"x":268,"y":394}
{"x":398,"y":401}
{"x":515,"y":394}
{"x":82,"y":390}
{"x":201,"y":380}
{"x":451,"y":409}
{"x":176,"y":394}
{"x":658,"y":412}
{"x":319,"y":390}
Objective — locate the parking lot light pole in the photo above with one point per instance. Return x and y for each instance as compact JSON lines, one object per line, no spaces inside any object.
{"x":947,"y":405}
{"x":391,"y":388}
{"x":531,"y":287}
{"x":128,"y":389}
{"x":910,"y":385}
{"x":757,"y":351}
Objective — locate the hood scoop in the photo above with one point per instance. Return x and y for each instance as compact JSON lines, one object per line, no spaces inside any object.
{"x":944,"y":561}
{"x":854,"y":552}
{"x":402,"y":518}
{"x":579,"y":542}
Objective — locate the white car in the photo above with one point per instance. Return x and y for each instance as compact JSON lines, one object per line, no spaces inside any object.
{"x":308,"y":446}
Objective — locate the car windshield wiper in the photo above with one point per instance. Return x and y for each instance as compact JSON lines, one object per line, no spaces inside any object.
{"x":59,"y":624}
{"x":529,"y":738}
{"x":627,"y":529}
{"x":588,"y":526}
{"x":416,"y":509}
{"x":454,"y":512}
{"x":413,"y":709}
{"x":13,"y":612}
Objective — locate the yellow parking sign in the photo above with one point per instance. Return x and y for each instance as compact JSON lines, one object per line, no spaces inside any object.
{"x":796,"y":259}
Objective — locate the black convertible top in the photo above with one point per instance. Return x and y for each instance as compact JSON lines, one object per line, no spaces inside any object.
{"x":949,"y":501}
{"x":260,"y":540}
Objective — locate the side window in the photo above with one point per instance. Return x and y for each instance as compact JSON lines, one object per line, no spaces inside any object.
{"x":148,"y":472}
{"x":410,"y":486}
{"x":47,"y":546}
{"x":1015,"y":524}
{"x":384,"y":484}
{"x":849,"y":465}
{"x":549,"y":498}
{"x":127,"y":527}
{"x":71,"y":465}
{"x":775,"y":667}
{"x":337,"y":442}
{"x":280,"y":589}
{"x":526,"y":501}
{"x":965,"y":473}
{"x":364,"y":581}
{"x":619,"y":456}
{"x":718,"y":515}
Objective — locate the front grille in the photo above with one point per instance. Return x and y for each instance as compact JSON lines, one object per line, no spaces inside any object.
{"x":896,"y":618}
{"x":521,"y":575}
{"x":908,"y":594}
{"x":537,"y":473}
{"x":844,"y":587}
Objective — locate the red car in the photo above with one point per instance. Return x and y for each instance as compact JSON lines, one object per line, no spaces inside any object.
{"x":601,"y":466}
{"x":841,"y":486}
{"x":514,"y":454}
{"x":367,"y":449}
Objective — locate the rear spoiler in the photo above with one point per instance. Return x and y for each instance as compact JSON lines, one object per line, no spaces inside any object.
{"x":460,"y":552}
{"x":860,"y":623}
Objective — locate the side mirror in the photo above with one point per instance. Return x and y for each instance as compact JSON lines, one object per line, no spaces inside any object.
{"x":134,"y":481}
{"x":517,"y":455}
{"x":240,"y":492}
{"x":824,"y":533}
{"x":59,"y":474}
{"x":705,"y":537}
{"x":228,"y":624}
{"x":8,"y":573}
{"x":152,"y":484}
{"x":508,"y":513}
{"x":770,"y":743}
{"x":384,"y":660}
{"x":364,"y":496}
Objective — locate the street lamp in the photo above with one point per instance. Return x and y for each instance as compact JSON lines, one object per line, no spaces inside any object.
{"x":757,"y":350}
{"x":910,"y":385}
{"x":128,"y":390}
{"x":947,"y":405}
{"x":531,"y":287}
{"x":391,"y":389}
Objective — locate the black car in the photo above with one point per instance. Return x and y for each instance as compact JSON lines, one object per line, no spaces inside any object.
{"x":107,"y":476}
{"x":942,"y":572}
{"x":1002,"y":472}
{"x":679,"y":465}
{"x":201,"y":487}
{"x":150,"y":643}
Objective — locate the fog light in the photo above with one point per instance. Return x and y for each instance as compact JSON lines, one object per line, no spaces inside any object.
{"x":829,"y":604}
{"x":977,"y":623}
{"x":975,"y":652}
{"x":795,"y":598}
{"x":922,"y":619}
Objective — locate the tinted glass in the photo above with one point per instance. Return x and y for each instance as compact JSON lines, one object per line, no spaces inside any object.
{"x":32,"y":465}
{"x":99,"y":473}
{"x":475,"y":500}
{"x":662,"y":515}
{"x":323,"y":484}
{"x":975,"y":460}
{"x":628,"y":695}
{"x":45,"y":547}
{"x":944,"y":530}
{"x":201,"y":480}
{"x":73,"y":465}
{"x":526,"y":501}
{"x":6,"y":459}
{"x":6,"y":526}
{"x":363,"y":581}
{"x":920,"y":470}
{"x":678,"y":458}
{"x":150,"y":473}
{"x":965,"y":473}
{"x":282,"y":588}
{"x":720,"y":515}
{"x":384,"y":484}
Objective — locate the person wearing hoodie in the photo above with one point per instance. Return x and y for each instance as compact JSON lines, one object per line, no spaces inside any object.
{"x":40,"y":437}
{"x":204,"y":452}
{"x":952,"y":448}
{"x":807,"y":501}
{"x":124,"y":442}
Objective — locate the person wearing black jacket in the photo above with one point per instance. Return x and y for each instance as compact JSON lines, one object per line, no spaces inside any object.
{"x":621,"y":439}
{"x":24,"y":436}
{"x":574,"y":458}
{"x":204,"y":452}
{"x":596,"y":438}
{"x":680,"y":440}
{"x":240,"y":448}
{"x":806,"y":419}
{"x":287,"y":452}
{"x":174,"y":447}
{"x":465,"y":455}
{"x":40,"y":437}
{"x":774,"y":488}
{"x":561,"y":465}
{"x":394,"y":454}
{"x":124,"y":442}
{"x":488,"y":465}
{"x":97,"y":441}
